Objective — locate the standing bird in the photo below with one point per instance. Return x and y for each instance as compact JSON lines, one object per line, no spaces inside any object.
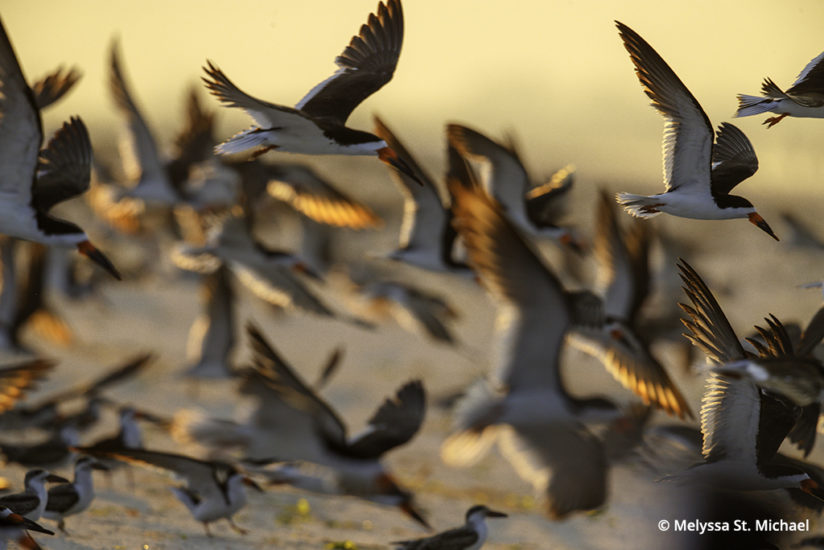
{"x":33,"y":181}
{"x":31,"y":502}
{"x":68,"y":499}
{"x":213,"y":490}
{"x":805,"y":98}
{"x":698,"y":175}
{"x":469,"y":537}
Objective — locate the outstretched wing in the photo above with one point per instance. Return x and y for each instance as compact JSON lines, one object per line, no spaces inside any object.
{"x":367,"y":63}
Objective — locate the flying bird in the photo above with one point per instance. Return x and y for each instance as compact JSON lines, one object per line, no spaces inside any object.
{"x":805,"y":98}
{"x":698,"y":174}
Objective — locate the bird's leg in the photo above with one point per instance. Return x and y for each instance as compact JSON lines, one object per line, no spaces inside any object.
{"x":61,"y":524}
{"x":773,"y":120}
{"x":236,"y":527}
{"x":208,"y":532}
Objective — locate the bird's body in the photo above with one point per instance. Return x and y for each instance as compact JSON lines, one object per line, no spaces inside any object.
{"x":471,"y":536}
{"x":33,"y":181}
{"x":700,"y":168}
{"x":72,"y":498}
{"x":31,"y":503}
{"x":213,"y":490}
{"x":804,"y":99}
{"x":316,"y":125}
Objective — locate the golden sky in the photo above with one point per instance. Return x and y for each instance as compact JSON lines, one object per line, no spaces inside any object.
{"x":553,"y":72}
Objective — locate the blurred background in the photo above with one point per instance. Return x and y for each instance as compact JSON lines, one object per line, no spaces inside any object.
{"x":553,"y":73}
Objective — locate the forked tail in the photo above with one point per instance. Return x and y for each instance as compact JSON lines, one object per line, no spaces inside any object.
{"x":639,"y":206}
{"x":749,"y":105}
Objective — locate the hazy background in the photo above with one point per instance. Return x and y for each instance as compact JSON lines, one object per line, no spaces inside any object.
{"x":555,"y":72}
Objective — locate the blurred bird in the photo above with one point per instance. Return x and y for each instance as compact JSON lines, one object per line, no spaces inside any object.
{"x":32,"y":501}
{"x":213,"y":490}
{"x":212,"y":336}
{"x":349,"y":465}
{"x":538,"y":425}
{"x":13,"y":527}
{"x":469,"y":537}
{"x":72,"y":498}
{"x":805,"y":98}
{"x":622,"y":257}
{"x":17,"y":378}
{"x":158,"y":181}
{"x":316,"y":125}
{"x":427,"y":238}
{"x":508,"y":182}
{"x":698,"y":175}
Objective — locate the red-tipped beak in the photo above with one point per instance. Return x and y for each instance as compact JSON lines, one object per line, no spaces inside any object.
{"x":88,"y":249}
{"x":390,"y":157}
{"x":759,"y":222}
{"x":568,"y":240}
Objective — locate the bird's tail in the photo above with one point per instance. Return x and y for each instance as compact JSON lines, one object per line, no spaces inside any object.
{"x":250,"y":138}
{"x":639,"y":206}
{"x":193,"y":426}
{"x":475,"y":415}
{"x":749,"y":105}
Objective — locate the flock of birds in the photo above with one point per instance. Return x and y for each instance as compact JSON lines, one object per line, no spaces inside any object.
{"x":207,"y":206}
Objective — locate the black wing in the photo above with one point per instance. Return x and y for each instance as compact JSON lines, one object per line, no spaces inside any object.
{"x":367,"y":63}
{"x":733,"y":159}
{"x":65,"y":166}
{"x":396,"y":421}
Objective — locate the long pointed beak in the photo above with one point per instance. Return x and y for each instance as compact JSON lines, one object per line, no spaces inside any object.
{"x":88,"y":249}
{"x":759,"y":222}
{"x":496,"y":514}
{"x":390,"y":157}
{"x":249,"y":482}
{"x":408,"y":509}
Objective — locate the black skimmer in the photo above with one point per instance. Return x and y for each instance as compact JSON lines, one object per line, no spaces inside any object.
{"x":32,"y":501}
{"x":526,"y":408}
{"x":624,"y":281}
{"x":267,"y":273}
{"x":470,"y":536}
{"x":14,"y":527}
{"x":269,"y":427}
{"x":34,"y":181}
{"x":742,"y":426}
{"x":213,"y":491}
{"x":156,"y":180}
{"x":805,"y":98}
{"x":314,"y":197}
{"x":316,"y":125}
{"x":72,"y":498}
{"x":427,"y":238}
{"x":212,"y":336}
{"x":508,"y":182}
{"x":334,"y":461}
{"x":697,"y":174}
